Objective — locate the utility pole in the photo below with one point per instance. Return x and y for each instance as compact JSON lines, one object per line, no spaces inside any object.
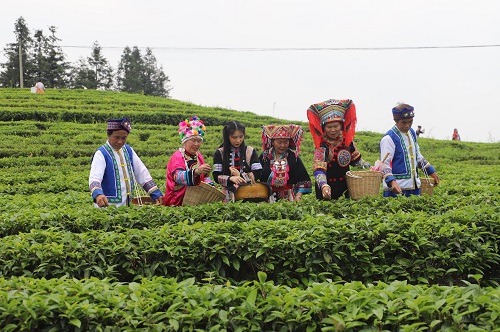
{"x":21,"y":85}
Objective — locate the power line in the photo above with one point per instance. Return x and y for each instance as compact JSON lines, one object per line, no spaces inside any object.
{"x":287,"y":49}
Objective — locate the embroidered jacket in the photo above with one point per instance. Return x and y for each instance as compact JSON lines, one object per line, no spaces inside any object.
{"x":180,"y":174}
{"x":403,"y":160}
{"x":114,"y":179}
{"x":297,"y":178}
{"x":247,"y":162}
{"x":331,"y":163}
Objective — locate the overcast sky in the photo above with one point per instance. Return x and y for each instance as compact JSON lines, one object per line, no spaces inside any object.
{"x":278,"y":57}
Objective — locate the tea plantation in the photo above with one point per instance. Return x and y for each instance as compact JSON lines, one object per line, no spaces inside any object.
{"x":429,"y":263}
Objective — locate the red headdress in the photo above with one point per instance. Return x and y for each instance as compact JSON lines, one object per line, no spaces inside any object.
{"x":331,"y":110}
{"x":293,"y":132}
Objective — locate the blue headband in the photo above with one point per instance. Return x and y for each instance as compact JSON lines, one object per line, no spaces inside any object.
{"x":405,"y":113}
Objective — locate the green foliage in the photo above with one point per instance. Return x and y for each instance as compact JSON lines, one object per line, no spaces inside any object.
{"x":316,"y":246}
{"x":369,"y":265}
{"x":161,"y":304}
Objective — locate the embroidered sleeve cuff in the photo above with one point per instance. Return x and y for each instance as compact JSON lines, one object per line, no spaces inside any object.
{"x":150,"y":186}
{"x":320,"y":178}
{"x":430,"y":170}
{"x":304,"y":191}
{"x":155,"y":194}
{"x":389,"y":178}
{"x":224,"y":180}
{"x":96,"y":193}
{"x":319,"y":165}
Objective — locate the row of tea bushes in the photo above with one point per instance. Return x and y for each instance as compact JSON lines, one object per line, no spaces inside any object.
{"x":90,"y":106}
{"x":413,"y":247}
{"x":161,"y":304}
{"x":72,"y":211}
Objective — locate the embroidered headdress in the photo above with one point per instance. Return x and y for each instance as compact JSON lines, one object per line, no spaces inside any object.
{"x":120,"y":124}
{"x":403,"y":111}
{"x":342,"y":110}
{"x":294,"y":133}
{"x":191,"y":127}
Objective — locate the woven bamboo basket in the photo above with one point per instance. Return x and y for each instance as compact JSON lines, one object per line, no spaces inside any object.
{"x":363,"y":183}
{"x":426,"y":186}
{"x":202,"y":193}
{"x":254,"y":192}
{"x":142,"y":200}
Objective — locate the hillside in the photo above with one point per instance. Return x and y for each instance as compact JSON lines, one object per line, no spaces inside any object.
{"x":375,"y":264}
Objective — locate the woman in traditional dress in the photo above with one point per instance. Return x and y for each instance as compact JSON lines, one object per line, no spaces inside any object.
{"x":282,"y":167}
{"x":186,"y":167}
{"x":333,"y":125}
{"x":235,"y":163}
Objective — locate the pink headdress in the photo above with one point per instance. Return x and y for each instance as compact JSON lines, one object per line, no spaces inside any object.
{"x":191,"y":127}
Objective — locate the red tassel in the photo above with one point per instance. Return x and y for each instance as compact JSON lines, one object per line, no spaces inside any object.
{"x":350,"y":120}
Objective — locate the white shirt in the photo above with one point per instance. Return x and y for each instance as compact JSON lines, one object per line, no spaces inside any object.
{"x":141,"y":173}
{"x":387,"y":146}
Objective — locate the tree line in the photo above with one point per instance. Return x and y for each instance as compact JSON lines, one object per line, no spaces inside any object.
{"x":37,"y":56}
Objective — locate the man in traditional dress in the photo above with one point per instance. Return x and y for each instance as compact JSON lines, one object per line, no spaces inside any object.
{"x":116,"y":170}
{"x":403,"y":156}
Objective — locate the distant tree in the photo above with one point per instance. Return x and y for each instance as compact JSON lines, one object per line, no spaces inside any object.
{"x":101,"y":67}
{"x":137,"y":74}
{"x":82,"y":76}
{"x":56,"y":74}
{"x":10,"y":76}
{"x":49,"y":60}
{"x":94,"y":72}
{"x":42,"y":59}
{"x":38,"y":54}
{"x":130,"y":71}
{"x":155,"y":80}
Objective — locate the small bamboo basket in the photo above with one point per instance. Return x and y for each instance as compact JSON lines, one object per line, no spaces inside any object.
{"x":201,"y":194}
{"x":363,"y":183}
{"x":426,"y":186}
{"x":142,"y":200}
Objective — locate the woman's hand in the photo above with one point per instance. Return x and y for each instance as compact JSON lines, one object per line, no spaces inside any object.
{"x":251,"y":177}
{"x":298,"y":197}
{"x":204,"y":169}
{"x":234,"y":171}
{"x":326,"y":191}
{"x":237,"y":179}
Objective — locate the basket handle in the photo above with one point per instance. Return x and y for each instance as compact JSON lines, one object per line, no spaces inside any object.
{"x":386,"y":155}
{"x":427,"y":177}
{"x":352,"y":175}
